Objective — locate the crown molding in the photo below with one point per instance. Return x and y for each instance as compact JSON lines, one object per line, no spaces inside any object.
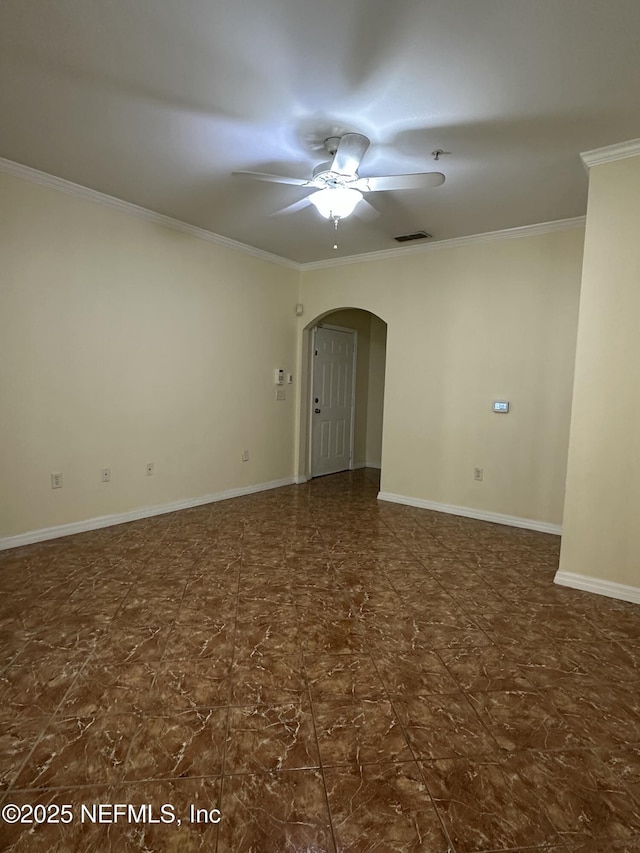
{"x":610,"y":153}
{"x":453,"y":243}
{"x":35,"y":176}
{"x":43,"y":178}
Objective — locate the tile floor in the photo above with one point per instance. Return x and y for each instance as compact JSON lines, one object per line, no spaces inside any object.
{"x":331,"y":672}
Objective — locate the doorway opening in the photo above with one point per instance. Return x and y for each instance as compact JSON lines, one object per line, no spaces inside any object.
{"x":345,"y":381}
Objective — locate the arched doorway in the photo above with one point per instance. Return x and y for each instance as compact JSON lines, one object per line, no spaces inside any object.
{"x":368,"y":390}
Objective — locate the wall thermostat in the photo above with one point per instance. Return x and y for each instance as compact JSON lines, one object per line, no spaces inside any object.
{"x":501,"y":406}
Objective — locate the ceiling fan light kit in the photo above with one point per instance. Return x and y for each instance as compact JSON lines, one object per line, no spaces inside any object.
{"x":335,"y":203}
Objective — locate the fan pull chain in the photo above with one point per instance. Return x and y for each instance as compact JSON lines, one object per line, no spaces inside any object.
{"x":335,"y":222}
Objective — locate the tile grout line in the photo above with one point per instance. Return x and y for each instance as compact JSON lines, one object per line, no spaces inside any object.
{"x":10,"y":788}
{"x":415,"y":759}
{"x":315,"y":731}
{"x":230,"y":690}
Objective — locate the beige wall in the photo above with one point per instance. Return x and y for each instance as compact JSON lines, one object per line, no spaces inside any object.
{"x":375,"y":401}
{"x":370,"y":363}
{"x":601,"y":531}
{"x":468,"y":325}
{"x":123,"y":342}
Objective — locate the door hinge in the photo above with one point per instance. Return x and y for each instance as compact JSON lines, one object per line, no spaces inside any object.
{"x":316,"y":352}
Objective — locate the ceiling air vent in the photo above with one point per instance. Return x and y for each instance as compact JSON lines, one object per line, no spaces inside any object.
{"x":417,"y":235}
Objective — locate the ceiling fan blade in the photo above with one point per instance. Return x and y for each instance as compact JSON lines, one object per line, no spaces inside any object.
{"x":420,"y":180}
{"x":366,"y":211}
{"x":292,"y":208}
{"x":350,"y":152}
{"x":274,"y":179}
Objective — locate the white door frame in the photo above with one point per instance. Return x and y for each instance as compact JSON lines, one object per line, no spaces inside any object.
{"x":312,"y":339}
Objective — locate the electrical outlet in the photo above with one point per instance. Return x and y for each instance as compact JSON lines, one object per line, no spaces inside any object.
{"x":149,"y":469}
{"x":245,"y":455}
{"x":56,"y":481}
{"x":106,"y":475}
{"x":478,"y":473}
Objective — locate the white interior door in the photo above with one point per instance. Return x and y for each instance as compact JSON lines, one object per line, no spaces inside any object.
{"x":332,"y":400}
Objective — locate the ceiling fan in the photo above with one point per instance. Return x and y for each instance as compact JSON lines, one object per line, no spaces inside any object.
{"x":337,"y":188}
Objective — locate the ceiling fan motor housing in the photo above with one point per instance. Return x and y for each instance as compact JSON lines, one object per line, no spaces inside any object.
{"x":321,"y":168}
{"x":322,"y":175}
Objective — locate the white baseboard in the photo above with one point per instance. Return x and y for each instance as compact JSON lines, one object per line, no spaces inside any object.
{"x":300,"y":478}
{"x":468,"y":512}
{"x":609,"y":588}
{"x":365,"y":465}
{"x":133,"y":515}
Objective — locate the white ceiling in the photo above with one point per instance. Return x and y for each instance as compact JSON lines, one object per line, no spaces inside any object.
{"x":158,"y":102}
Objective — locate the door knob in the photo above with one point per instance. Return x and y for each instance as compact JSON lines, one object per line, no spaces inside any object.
{"x":317,"y":411}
